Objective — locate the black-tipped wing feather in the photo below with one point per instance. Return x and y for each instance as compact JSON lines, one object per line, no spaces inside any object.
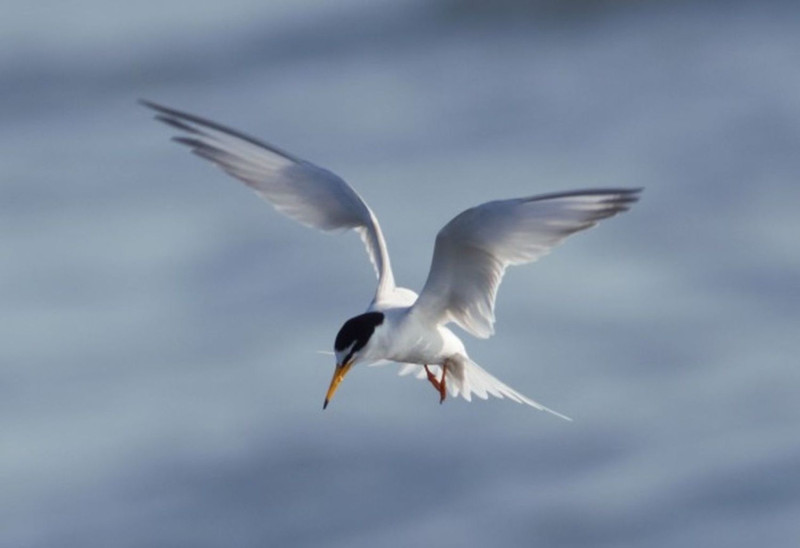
{"x":299,"y":189}
{"x":473,"y":250}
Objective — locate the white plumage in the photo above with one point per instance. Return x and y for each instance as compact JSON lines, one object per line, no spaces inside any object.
{"x":471,"y":255}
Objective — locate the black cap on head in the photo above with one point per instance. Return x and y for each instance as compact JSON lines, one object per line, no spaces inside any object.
{"x":355,"y":333}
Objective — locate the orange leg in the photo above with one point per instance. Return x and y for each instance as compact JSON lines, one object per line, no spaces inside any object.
{"x":433,"y":380}
{"x":443,"y":385}
{"x":439,"y":385}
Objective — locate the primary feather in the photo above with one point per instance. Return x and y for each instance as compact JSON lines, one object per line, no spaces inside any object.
{"x":307,"y":193}
{"x":474,"y":249}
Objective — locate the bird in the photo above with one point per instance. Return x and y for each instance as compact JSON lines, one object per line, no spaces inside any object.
{"x":471,"y":254}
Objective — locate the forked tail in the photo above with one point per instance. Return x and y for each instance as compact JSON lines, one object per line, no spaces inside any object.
{"x":465,"y":377}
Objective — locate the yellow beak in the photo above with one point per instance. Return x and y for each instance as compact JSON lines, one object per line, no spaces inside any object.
{"x":338,"y":375}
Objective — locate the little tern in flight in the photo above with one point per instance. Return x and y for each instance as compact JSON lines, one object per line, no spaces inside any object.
{"x":470,"y":256}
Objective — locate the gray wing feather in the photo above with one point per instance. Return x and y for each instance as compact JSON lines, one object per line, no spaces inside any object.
{"x":474,"y":249}
{"x":307,"y":193}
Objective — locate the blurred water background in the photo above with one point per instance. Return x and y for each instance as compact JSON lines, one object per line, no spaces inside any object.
{"x":159,"y":381}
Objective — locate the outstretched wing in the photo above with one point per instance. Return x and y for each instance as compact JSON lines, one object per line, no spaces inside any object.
{"x":299,"y":189}
{"x":473,"y":250}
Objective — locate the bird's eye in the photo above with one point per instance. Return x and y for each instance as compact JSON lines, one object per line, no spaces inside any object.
{"x":344,"y":355}
{"x":356,"y":332}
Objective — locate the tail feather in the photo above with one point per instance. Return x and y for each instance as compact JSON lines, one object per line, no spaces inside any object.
{"x":465,"y":378}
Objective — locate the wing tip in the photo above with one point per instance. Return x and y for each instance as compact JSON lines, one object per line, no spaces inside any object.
{"x":621,"y":195}
{"x":157,"y":107}
{"x":184,"y":120}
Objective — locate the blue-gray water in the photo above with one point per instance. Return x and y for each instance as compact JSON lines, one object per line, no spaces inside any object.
{"x":159,"y":381}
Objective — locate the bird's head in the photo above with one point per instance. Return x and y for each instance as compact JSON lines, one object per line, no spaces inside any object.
{"x":351,"y":343}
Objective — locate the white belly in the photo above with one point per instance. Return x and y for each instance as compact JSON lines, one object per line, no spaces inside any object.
{"x":408,"y":341}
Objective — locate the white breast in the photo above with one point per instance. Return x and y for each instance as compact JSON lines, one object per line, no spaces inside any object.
{"x":403,"y":338}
